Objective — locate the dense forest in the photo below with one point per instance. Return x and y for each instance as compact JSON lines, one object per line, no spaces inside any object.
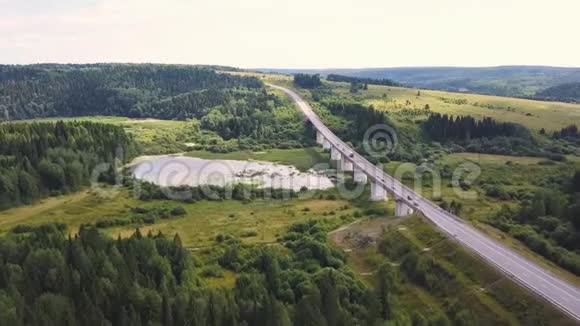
{"x":90,"y":279}
{"x":307,"y":81}
{"x":567,"y":92}
{"x":359,"y":80}
{"x":256,"y":117}
{"x":548,"y":222}
{"x":42,"y":158}
{"x":154,"y":91}
{"x":229,"y":112}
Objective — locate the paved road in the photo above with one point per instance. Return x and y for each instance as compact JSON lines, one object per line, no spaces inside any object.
{"x":561,"y":293}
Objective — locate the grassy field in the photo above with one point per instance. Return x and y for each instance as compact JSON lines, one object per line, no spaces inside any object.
{"x":154,"y":136}
{"x":533,"y":114}
{"x":264,"y":219}
{"x":302,"y":158}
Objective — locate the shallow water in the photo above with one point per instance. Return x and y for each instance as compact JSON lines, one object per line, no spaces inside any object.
{"x":176,"y":170}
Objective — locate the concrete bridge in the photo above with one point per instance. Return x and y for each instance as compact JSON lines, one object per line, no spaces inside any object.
{"x":553,"y":288}
{"x":347,"y":162}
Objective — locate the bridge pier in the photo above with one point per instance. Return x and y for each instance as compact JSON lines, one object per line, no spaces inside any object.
{"x":359,"y":176}
{"x":402,"y":209}
{"x":346,"y":165}
{"x":319,"y":138}
{"x":326,"y":144}
{"x":378,"y":193}
{"x":335,"y":155}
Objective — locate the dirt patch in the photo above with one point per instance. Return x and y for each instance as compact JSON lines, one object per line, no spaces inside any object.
{"x":362,"y":233}
{"x":358,"y":240}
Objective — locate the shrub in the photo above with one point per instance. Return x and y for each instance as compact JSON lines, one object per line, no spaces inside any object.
{"x":376,"y":211}
{"x":22,"y":229}
{"x":149,"y":219}
{"x":497,"y":192}
{"x":178,"y":211}
{"x":212,"y":271}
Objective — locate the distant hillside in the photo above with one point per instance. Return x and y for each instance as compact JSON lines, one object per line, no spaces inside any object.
{"x":569,"y":92}
{"x":516,"y":81}
{"x":130,"y":90}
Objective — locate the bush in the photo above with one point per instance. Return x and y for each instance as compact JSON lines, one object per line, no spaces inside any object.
{"x":178,"y":211}
{"x":212,"y":271}
{"x":546,"y":162}
{"x":497,"y":192}
{"x":102,"y":224}
{"x":139,"y":210}
{"x":22,"y":229}
{"x":376,"y":211}
{"x":149,"y":219}
{"x":557,"y":157}
{"x":220,"y":237}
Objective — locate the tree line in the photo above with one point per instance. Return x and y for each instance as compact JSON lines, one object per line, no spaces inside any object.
{"x":443,"y":127}
{"x":465,"y":133}
{"x":363,"y":81}
{"x":43,"y":158}
{"x":48,"y":278}
{"x":307,"y":81}
{"x":569,"y":132}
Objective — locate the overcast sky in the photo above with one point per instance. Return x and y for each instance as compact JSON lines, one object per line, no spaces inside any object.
{"x":293,"y":33}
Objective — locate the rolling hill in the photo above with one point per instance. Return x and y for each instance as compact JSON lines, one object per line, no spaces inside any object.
{"x":513,"y":81}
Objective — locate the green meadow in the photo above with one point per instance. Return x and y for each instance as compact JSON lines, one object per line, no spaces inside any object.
{"x":257,"y":221}
{"x":532,"y":114}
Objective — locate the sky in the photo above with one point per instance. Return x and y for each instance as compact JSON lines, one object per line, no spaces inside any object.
{"x":292,"y":33}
